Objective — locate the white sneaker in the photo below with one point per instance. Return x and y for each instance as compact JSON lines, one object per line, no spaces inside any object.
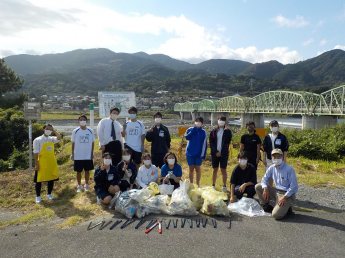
{"x":224,"y":189}
{"x":79,"y":188}
{"x":50,"y":197}
{"x":86,"y":188}
{"x":98,"y":200}
{"x":214,"y":188}
{"x":38,"y":199}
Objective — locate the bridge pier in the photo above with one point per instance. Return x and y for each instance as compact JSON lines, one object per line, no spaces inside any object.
{"x":317,"y":122}
{"x":257,"y":118}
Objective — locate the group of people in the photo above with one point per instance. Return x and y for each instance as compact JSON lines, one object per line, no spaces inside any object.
{"x":125,"y":165}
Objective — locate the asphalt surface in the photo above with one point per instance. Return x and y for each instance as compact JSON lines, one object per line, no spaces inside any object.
{"x":317,"y":233}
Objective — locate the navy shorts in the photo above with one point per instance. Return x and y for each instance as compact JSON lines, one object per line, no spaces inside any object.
{"x":80,"y":165}
{"x":102,"y":194}
{"x":194,"y":161}
{"x":221,"y":161}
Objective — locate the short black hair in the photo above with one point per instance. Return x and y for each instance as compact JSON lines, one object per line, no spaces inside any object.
{"x":134,"y":109}
{"x":242,"y":155}
{"x":106,"y":154}
{"x":158,"y":114}
{"x":82,"y":115}
{"x":250,"y":123}
{"x":116,"y":109}
{"x":222,"y":118}
{"x":46,"y":125}
{"x":274,"y":122}
{"x":127,"y":151}
{"x":199,"y":119}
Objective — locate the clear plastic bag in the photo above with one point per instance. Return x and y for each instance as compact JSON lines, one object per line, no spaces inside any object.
{"x":125,"y":204}
{"x":196,"y":198}
{"x":156,"y":204}
{"x":166,"y":189}
{"x":140,"y":195}
{"x":180,"y":203}
{"x":248,"y":207}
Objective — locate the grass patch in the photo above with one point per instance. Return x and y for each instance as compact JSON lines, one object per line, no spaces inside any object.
{"x":39,"y":214}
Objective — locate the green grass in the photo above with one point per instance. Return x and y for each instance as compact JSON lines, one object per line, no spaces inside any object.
{"x":17,"y":188}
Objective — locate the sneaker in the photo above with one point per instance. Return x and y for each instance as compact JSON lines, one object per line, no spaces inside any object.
{"x":98,"y":200}
{"x":79,"y":188}
{"x":38,"y":199}
{"x":224,"y":189}
{"x":50,"y":197}
{"x":214,"y":187}
{"x":267,"y":208}
{"x":290,"y":212}
{"x":86,"y":188}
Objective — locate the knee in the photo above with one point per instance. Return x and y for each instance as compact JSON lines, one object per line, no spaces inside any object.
{"x":106,"y":200}
{"x":277,"y":215}
{"x":258,"y":187}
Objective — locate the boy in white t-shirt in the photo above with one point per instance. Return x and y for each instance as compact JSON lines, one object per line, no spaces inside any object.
{"x":82,"y":152}
{"x":134,"y":133}
{"x":147,"y":172}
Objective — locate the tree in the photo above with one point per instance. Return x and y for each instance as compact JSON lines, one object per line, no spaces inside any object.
{"x":9,"y":81}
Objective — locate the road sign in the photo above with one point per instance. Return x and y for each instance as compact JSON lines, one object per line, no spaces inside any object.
{"x":32,"y":110}
{"x":121,"y":100}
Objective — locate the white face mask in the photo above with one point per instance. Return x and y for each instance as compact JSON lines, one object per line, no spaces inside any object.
{"x":114,"y":116}
{"x":82,"y":123}
{"x":47,"y":132}
{"x":147,"y":162}
{"x":158,"y":120}
{"x":221,"y":123}
{"x":126,"y":157}
{"x":107,"y":162}
{"x":243,"y":162}
{"x":171,"y":161}
{"x":132,"y":116}
{"x":198,"y":124}
{"x":277,"y":162}
{"x":274,"y":129}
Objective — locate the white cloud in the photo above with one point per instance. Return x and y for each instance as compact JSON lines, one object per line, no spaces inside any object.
{"x":323,"y":42}
{"x":41,"y":26}
{"x":342,"y":47}
{"x":297,"y":22}
{"x":308,"y":42}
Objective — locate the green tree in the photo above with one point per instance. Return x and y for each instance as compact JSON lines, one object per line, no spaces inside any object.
{"x":9,"y":81}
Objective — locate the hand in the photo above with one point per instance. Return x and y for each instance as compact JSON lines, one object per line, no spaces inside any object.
{"x":142,"y":148}
{"x":232,"y":199}
{"x":102,"y":167}
{"x":129,"y":174}
{"x":166,"y":180}
{"x":218,"y":154}
{"x":266,"y":194}
{"x":243,"y":188}
{"x":72,"y":157}
{"x":37,"y":166}
{"x":282,"y":201}
{"x":102,"y":148}
{"x":173,"y":177}
{"x":124,"y":167}
{"x":92,"y":156}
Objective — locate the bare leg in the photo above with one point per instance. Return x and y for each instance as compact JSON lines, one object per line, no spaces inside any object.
{"x":198,"y":174}
{"x":191,"y":174}
{"x":87,"y":177}
{"x":214,"y":176}
{"x":79,"y":178}
{"x":225,"y":175}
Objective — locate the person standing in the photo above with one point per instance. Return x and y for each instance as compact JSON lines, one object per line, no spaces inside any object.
{"x":46,"y":168}
{"x":159,"y":136}
{"x":82,"y":152}
{"x":196,"y":149}
{"x":220,"y":139}
{"x":274,"y":140}
{"x":278,"y":199}
{"x":109,"y":135}
{"x":134,"y":133}
{"x":243,"y":179}
{"x":250,"y":144}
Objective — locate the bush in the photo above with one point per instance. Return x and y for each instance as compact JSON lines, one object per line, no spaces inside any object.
{"x":4,"y":165}
{"x":19,"y":159}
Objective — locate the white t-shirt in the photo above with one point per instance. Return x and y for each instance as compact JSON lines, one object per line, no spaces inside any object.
{"x":219,"y":139}
{"x":38,"y":142}
{"x":134,"y":131}
{"x":82,"y":140}
{"x":147,"y":175}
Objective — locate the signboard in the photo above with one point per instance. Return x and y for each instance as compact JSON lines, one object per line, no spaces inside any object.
{"x":121,"y":100}
{"x":32,"y":110}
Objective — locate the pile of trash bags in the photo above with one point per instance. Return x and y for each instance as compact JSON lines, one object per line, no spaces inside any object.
{"x":187,"y":200}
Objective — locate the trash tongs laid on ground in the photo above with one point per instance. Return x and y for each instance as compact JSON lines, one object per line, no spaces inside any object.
{"x":157,"y":223}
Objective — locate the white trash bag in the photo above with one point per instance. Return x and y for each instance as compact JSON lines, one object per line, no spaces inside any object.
{"x":180,"y":203}
{"x":248,"y":207}
{"x":166,"y":189}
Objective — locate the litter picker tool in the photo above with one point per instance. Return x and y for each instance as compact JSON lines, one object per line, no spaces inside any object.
{"x":167,"y":226}
{"x":152,"y":227}
{"x":105,"y":225}
{"x":214,"y":223}
{"x":197,"y":222}
{"x":183,"y":222}
{"x":175,"y":222}
{"x":204,"y":223}
{"x":97,"y":224}
{"x":150,"y":224}
{"x":127,"y":222}
{"x":160,"y":229}
{"x":142,"y":221}
{"x":115,"y":224}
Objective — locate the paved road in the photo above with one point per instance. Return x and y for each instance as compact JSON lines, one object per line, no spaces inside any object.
{"x":304,"y":234}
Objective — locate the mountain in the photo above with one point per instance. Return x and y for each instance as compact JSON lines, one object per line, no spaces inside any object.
{"x":90,"y":70}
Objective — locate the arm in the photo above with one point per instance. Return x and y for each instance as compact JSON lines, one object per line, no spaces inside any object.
{"x":142,"y":142}
{"x":149,"y":135}
{"x":242,"y":144}
{"x":72,"y":155}
{"x":293,"y":184}
{"x":212,"y":142}
{"x":36,"y":161}
{"x":124,"y":130}
{"x":139,"y":179}
{"x":168,"y":139}
{"x":92,"y":148}
{"x":232,"y":193}
{"x":190,"y":133}
{"x":267,"y":177}
{"x":258,"y":153}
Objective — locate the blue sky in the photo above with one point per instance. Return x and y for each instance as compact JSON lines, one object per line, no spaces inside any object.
{"x":251,"y":30}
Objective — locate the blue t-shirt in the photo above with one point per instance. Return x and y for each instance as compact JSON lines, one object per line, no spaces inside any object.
{"x":177,"y":170}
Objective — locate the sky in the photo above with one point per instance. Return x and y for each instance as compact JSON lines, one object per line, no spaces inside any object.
{"x":251,"y":30}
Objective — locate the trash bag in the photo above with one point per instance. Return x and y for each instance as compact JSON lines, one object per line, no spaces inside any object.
{"x":214,"y":202}
{"x":153,"y":186}
{"x":196,"y":198}
{"x":180,"y":202}
{"x":125,"y":204}
{"x":166,"y":189}
{"x":248,"y":207}
{"x":209,"y":193}
{"x":156,"y":204}
{"x":140,"y":195}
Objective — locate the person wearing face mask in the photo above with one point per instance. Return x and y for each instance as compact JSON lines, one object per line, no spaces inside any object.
{"x":82,"y":152}
{"x":147,"y":172}
{"x":46,"y":168}
{"x":274,"y":140}
{"x":220,"y":139}
{"x":159,"y":136}
{"x":134,"y":133}
{"x":251,"y":144}
{"x":243,"y":179}
{"x":171,"y":171}
{"x":106,"y":180}
{"x":127,"y":171}
{"x":196,"y":148}
{"x":109,"y":135}
{"x":278,"y":199}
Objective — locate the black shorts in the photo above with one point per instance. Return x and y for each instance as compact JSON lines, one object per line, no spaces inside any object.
{"x":102,"y":194}
{"x":136,"y":156}
{"x":221,"y":161}
{"x":80,"y":165}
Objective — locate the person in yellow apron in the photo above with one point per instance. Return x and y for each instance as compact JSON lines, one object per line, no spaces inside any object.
{"x":46,"y":169}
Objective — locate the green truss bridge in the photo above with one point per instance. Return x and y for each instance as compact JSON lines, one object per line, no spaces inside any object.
{"x":317,"y":110}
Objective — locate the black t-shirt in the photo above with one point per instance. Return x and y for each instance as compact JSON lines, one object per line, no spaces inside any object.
{"x":240,"y":176}
{"x":250,"y":142}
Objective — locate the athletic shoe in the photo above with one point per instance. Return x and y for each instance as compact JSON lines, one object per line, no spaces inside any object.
{"x":224,"y":189}
{"x":79,"y":188}
{"x":267,"y":208}
{"x":214,"y":188}
{"x":86,"y":188}
{"x":50,"y":197}
{"x":98,"y":200}
{"x":38,"y":199}
{"x":290,"y":212}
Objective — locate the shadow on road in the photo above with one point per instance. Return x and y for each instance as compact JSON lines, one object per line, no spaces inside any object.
{"x":316,"y":206}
